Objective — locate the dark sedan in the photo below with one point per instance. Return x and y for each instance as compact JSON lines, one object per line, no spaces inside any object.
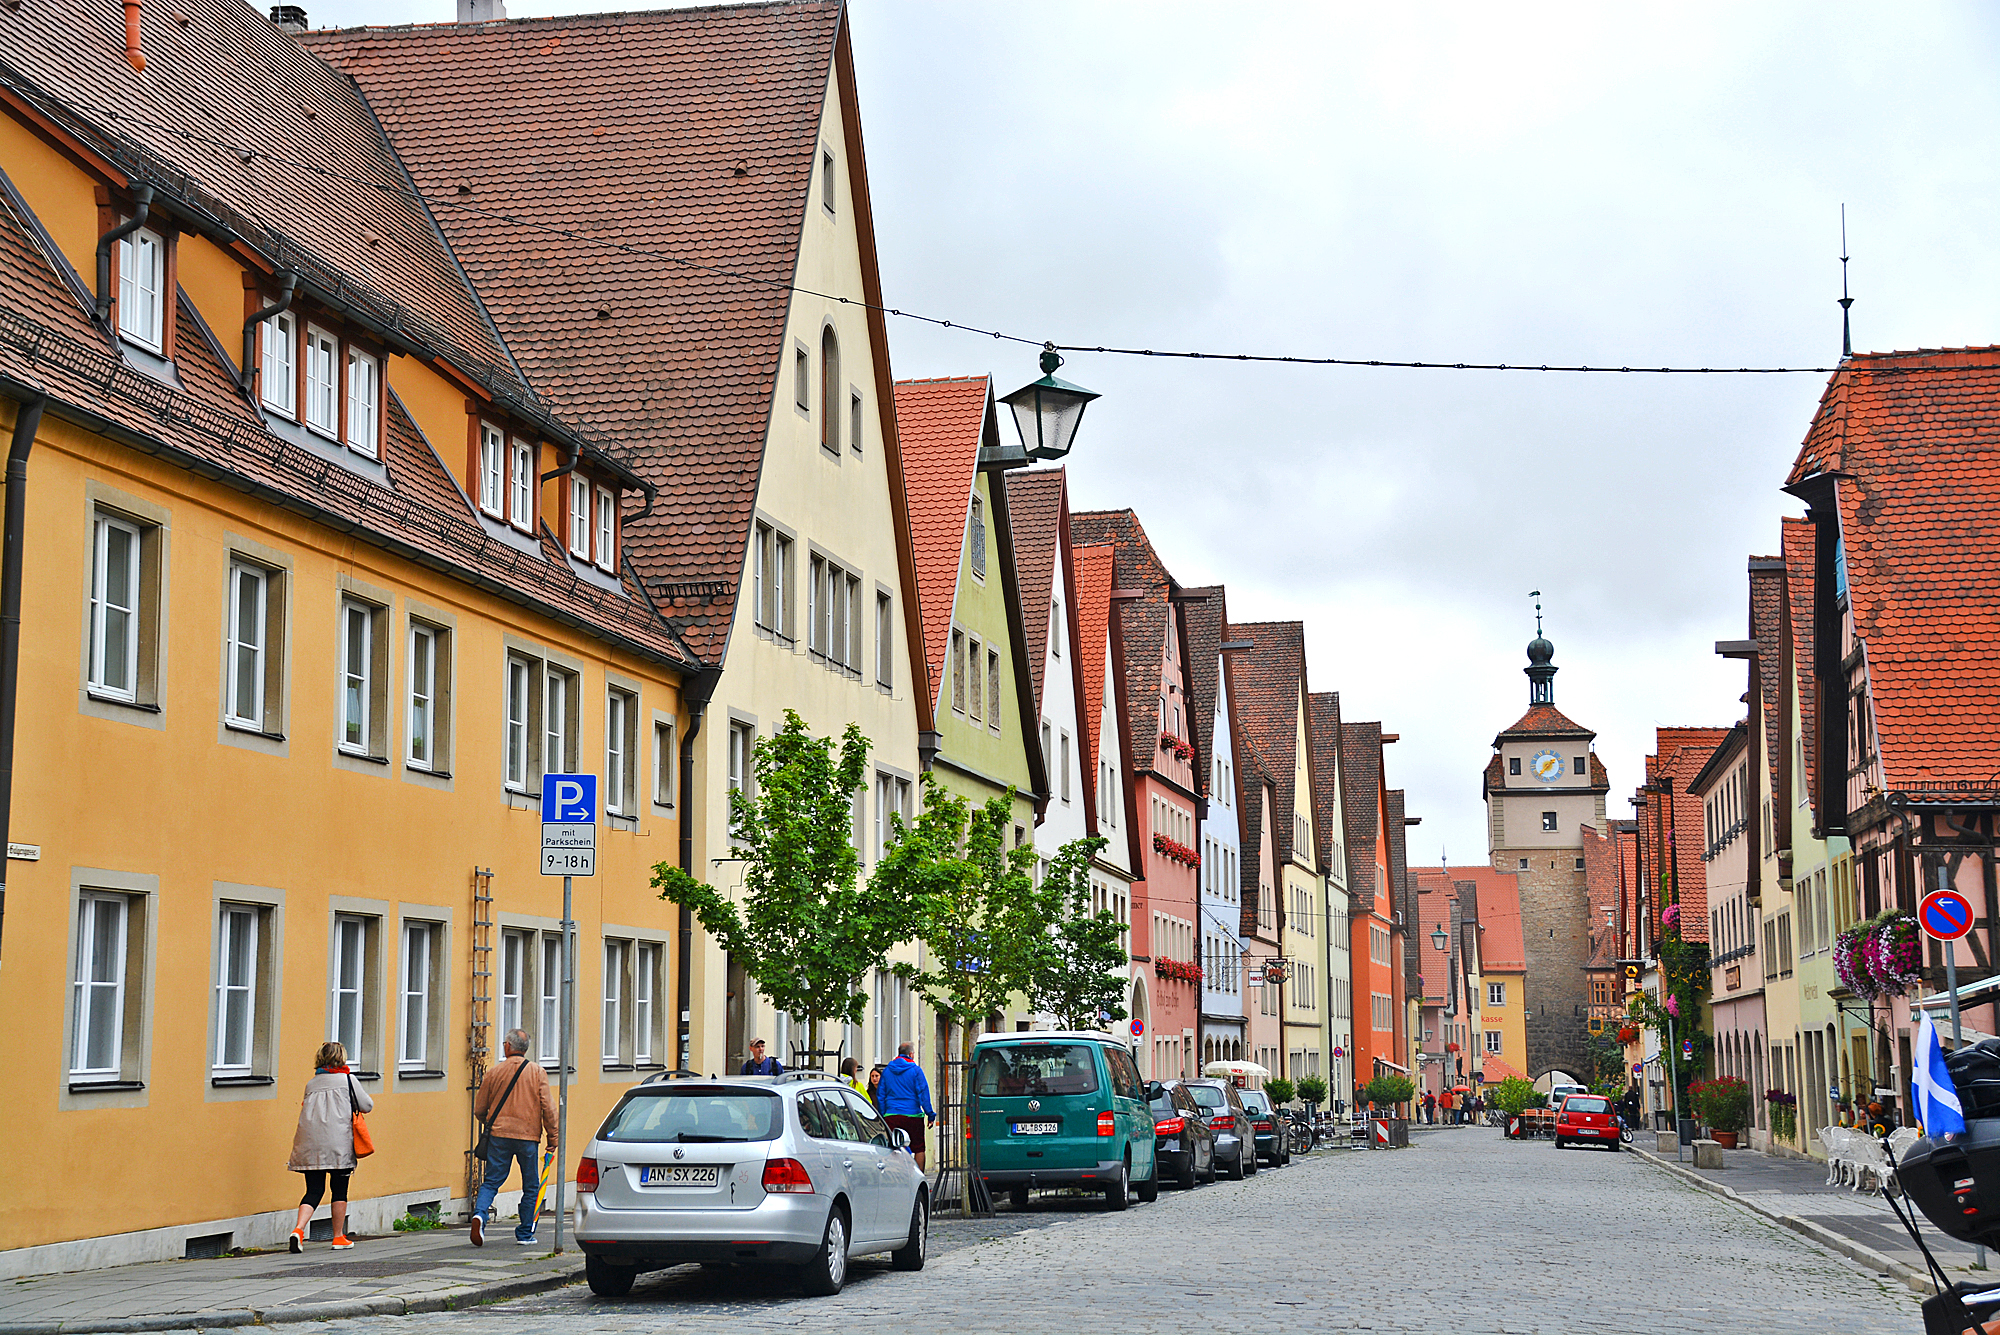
{"x":1235,"y":1141}
{"x":1268,"y":1125}
{"x":1183,"y":1141}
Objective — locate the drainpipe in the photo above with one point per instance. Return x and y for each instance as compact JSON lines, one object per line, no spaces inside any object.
{"x":27,"y":420}
{"x":142,"y":196}
{"x":696,"y":688}
{"x":288,"y":283}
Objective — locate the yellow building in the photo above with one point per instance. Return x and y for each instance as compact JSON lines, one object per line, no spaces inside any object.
{"x":297,"y":648}
{"x":1501,"y":1030}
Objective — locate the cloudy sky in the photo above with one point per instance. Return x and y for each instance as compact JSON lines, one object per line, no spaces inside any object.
{"x":1616,"y":185}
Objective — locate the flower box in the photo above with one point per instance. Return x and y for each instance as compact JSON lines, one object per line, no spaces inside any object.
{"x":1176,"y":850}
{"x":1182,"y":749}
{"x":1183,"y":970}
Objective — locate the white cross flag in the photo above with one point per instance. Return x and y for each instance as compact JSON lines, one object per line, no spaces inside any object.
{"x":1938,"y":1110}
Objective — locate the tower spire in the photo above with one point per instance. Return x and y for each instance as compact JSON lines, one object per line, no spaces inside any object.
{"x":1541,"y":672}
{"x":1846,"y":333}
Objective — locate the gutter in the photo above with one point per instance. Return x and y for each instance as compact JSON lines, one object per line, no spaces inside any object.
{"x":696,"y":689}
{"x":288,"y":286}
{"x":27,"y":421}
{"x":142,"y":195}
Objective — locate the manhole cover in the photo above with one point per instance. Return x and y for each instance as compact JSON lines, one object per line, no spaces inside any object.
{"x":359,"y":1269}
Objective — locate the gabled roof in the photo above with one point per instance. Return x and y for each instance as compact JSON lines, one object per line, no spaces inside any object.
{"x":1799,"y":561}
{"x":1143,"y":624}
{"x":663,"y":163}
{"x":1767,"y":611}
{"x":1679,"y":755}
{"x":941,"y":424}
{"x":1399,"y":877}
{"x":1207,"y":670}
{"x":1269,"y":680}
{"x":1361,"y":796}
{"x":1035,"y":510}
{"x":1492,"y":1069}
{"x":1325,"y":735}
{"x":1500,"y":946}
{"x":1093,"y":619}
{"x":1914,"y":461}
{"x":1542,"y":721}
{"x":1253,"y":779}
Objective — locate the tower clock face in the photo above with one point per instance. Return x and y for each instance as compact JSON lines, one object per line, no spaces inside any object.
{"x":1547,"y":766}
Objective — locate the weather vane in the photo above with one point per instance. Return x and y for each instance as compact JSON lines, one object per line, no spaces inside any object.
{"x":1846,"y":335}
{"x":1536,"y":594}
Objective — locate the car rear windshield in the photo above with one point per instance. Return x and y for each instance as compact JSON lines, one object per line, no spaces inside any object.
{"x":1253,"y":1101}
{"x":1208,"y":1096}
{"x":695,"y":1116}
{"x":1037,"y":1068}
{"x":1582,"y":1105}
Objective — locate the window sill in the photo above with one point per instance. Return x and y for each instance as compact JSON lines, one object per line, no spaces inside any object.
{"x":419,"y":1075}
{"x":239,"y":1081}
{"x":617,"y":1066}
{"x":366,"y":1075}
{"x":105,"y":1086}
{"x":346,"y":754}
{"x":250,"y":729}
{"x":646,"y":1066}
{"x":102,"y":699}
{"x":414,"y":768}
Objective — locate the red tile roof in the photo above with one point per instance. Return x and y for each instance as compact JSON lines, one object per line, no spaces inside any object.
{"x":1143,"y":625}
{"x":1269,"y":680}
{"x":1500,"y":946}
{"x":1093,"y":620}
{"x":1035,"y":513}
{"x":1492,"y":1070}
{"x":1679,"y":755}
{"x":1543,"y":721}
{"x":1361,"y":801}
{"x":1600,"y":871}
{"x":1915,"y":465}
{"x":691,"y":138}
{"x":940,"y":423}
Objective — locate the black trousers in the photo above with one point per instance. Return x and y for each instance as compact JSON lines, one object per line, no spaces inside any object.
{"x":316,"y":1185}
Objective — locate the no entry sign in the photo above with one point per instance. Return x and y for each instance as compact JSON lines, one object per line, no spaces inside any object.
{"x":1945,"y":914}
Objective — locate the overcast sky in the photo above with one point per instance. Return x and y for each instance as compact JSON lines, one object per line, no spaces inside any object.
{"x":1605,"y":184}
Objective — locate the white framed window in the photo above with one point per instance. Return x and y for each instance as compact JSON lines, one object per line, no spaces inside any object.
{"x":1055,"y":629}
{"x":645,"y":981}
{"x":236,"y":968}
{"x":802,"y":379}
{"x":97,"y":987}
{"x":993,"y":689}
{"x":1548,"y":820}
{"x":1496,"y":994}
{"x":114,"y":609}
{"x":549,"y":1033}
{"x":976,"y":536}
{"x":278,"y":380}
{"x":579,"y":518}
{"x":607,"y":530}
{"x":621,"y":745}
{"x":1493,"y":1042}
{"x":773,"y":577}
{"x":348,"y":1008}
{"x":521,"y":485}
{"x":357,"y":671}
{"x":973,"y":677}
{"x":142,"y":288}
{"x":414,"y":1001}
{"x":885,"y":640}
{"x":421,"y":726}
{"x":322,"y":382}
{"x":492,"y":469}
{"x":515,"y":761}
{"x":249,"y":599}
{"x":664,"y":759}
{"x":829,"y":391}
{"x":514,"y":965}
{"x":826,"y":179}
{"x":742,"y":742}
{"x":556,"y":738}
{"x":364,"y":403}
{"x":1065,"y":766}
{"x":612,"y":1033}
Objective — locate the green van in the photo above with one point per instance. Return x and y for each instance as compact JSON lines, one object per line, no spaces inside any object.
{"x":1061,"y":1108}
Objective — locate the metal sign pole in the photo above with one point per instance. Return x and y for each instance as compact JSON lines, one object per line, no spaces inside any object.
{"x":1957,"y":1032}
{"x":1674,"y":1089}
{"x":564,"y":1054}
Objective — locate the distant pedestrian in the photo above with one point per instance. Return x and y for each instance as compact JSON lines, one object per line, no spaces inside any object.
{"x":904,"y":1096}
{"x":874,"y":1089}
{"x":850,"y":1075}
{"x":1444,"y":1102}
{"x":1430,"y":1108}
{"x":759,"y":1064}
{"x":515,"y":1105}
{"x":323,"y":1145}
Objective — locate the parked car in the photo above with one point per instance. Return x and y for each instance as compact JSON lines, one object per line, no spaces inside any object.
{"x":1183,"y":1141}
{"x":1557,"y":1093}
{"x":1062,"y":1108}
{"x":1235,"y":1139}
{"x":1268,"y":1125}
{"x":793,"y":1170}
{"x":1586,"y":1119}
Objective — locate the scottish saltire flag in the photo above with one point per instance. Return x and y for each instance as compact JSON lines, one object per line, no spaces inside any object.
{"x":1938,"y":1110}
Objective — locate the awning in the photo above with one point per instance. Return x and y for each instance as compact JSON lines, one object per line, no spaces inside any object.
{"x":1938,"y":1004}
{"x":1248,"y":1070}
{"x":1384,"y":1061}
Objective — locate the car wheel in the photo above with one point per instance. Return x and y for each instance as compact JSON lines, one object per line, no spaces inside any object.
{"x":1212,"y":1171}
{"x":1250,"y":1161}
{"x":1236,"y":1167}
{"x":824,"y":1274}
{"x":1612,"y":1146}
{"x":910,"y":1256}
{"x":1018,"y":1198}
{"x":1187,"y":1173}
{"x":1115,"y":1195}
{"x":1560,"y":1142}
{"x":607,"y":1280}
{"x":1149,"y":1190}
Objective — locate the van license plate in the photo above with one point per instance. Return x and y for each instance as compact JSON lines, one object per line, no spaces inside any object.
{"x":1037,"y":1128}
{"x":678,"y":1175}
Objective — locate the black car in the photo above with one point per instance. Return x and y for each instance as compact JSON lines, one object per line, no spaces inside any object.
{"x":1268,"y":1125}
{"x":1183,"y":1141}
{"x":1235,"y":1143}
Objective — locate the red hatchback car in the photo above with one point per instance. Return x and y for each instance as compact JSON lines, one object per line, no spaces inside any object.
{"x":1586,"y":1119}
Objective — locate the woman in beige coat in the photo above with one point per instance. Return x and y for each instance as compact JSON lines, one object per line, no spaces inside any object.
{"x":323,"y":1146}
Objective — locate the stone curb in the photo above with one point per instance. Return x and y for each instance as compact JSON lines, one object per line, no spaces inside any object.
{"x":1917,"y":1281}
{"x":388,"y":1305}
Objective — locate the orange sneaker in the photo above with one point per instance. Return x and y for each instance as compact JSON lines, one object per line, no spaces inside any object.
{"x":341,"y":1243}
{"x":297,"y":1242}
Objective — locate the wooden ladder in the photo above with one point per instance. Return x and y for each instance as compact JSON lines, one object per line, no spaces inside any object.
{"x":479,"y":1033}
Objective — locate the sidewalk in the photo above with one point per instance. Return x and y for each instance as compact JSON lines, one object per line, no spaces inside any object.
{"x":1860,"y":1225}
{"x":395,"y":1275}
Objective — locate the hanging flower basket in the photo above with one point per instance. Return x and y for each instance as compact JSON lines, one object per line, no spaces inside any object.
{"x":1628,"y":1034}
{"x":1850,"y":962}
{"x":1896,"y":956}
{"x":1451,"y":1047}
{"x":1181,"y":748}
{"x":1176,"y":850}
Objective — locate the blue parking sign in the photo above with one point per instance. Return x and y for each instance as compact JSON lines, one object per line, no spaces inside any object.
{"x":569,"y":799}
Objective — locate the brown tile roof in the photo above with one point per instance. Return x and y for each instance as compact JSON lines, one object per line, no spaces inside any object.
{"x":692,"y":137}
{"x":1251,"y":779}
{"x":1205,"y":621}
{"x":1268,"y":681}
{"x":210,"y":429}
{"x":1361,"y":795}
{"x":1143,"y":625}
{"x":1767,"y":612}
{"x":1679,"y":755}
{"x":1093,"y":620}
{"x":1399,"y":879}
{"x":1035,"y":514}
{"x":1915,"y":461}
{"x":1500,"y":946}
{"x":1799,"y":563}
{"x":1327,"y":736}
{"x":940,"y":423}
{"x":1600,"y":873}
{"x":1543,"y":721}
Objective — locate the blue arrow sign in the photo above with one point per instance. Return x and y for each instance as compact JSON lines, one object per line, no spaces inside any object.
{"x":569,"y":799}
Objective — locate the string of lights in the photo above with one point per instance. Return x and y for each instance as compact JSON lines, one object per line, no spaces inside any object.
{"x":248,"y":154}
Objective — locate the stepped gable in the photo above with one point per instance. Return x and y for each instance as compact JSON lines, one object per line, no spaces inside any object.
{"x":656,"y":318}
{"x":940,"y":424}
{"x":1268,"y":680}
{"x":1908,"y":444}
{"x":1034,"y":511}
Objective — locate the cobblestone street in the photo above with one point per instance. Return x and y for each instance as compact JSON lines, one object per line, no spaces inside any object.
{"x":1486,"y":1235}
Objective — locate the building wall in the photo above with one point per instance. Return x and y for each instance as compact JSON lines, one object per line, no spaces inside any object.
{"x":1505,"y":1016}
{"x":1302,"y":894}
{"x":1172,"y":896}
{"x":1222,"y":991}
{"x":1555,"y":936}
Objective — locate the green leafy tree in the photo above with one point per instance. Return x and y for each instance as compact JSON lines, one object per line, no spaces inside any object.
{"x":1079,"y":976}
{"x":1280,"y":1090}
{"x":804,"y":930}
{"x":1514,"y":1095}
{"x":1389,"y":1090}
{"x":1313,"y":1090}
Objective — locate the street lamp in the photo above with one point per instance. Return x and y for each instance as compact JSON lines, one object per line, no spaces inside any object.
{"x":1439,"y":938}
{"x":1048,"y":410}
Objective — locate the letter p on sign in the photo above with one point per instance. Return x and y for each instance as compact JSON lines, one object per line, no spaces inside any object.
{"x":569,"y":799}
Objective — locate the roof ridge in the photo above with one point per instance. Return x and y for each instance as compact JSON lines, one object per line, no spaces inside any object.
{"x":577,"y":20}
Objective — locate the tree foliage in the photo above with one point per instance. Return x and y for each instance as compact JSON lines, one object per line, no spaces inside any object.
{"x":1080,"y":975}
{"x":1312,"y":1090}
{"x":1515,"y":1095}
{"x":1280,"y":1089}
{"x":1389,"y":1089}
{"x":803,"y":928}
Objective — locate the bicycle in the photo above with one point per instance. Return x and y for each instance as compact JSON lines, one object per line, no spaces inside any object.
{"x":1299,"y":1135}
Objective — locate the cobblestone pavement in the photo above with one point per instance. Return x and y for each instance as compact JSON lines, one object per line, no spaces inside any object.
{"x":1464,"y":1232}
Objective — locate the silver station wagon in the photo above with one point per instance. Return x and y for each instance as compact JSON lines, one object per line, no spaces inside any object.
{"x":793,"y":1170}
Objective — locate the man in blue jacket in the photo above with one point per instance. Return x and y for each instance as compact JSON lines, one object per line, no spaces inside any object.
{"x":904,"y":1097}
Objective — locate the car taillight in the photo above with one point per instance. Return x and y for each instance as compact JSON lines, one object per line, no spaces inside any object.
{"x":1222,"y":1123}
{"x":1107,"y":1124}
{"x":1263,"y":1126}
{"x":787,"y":1175}
{"x":1173,"y":1126}
{"x":586,"y":1174}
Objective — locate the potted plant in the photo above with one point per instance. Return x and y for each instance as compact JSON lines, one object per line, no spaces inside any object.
{"x":1280,"y":1090}
{"x":1628,"y":1034}
{"x":1784,"y":1111}
{"x":1312,"y":1089}
{"x":1723,"y":1105}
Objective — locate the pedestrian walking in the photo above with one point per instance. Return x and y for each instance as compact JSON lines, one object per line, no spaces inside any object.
{"x":904,"y":1096}
{"x":759,"y":1064}
{"x":850,"y":1075}
{"x":874,"y":1090}
{"x":1444,"y":1103}
{"x":514,"y":1106}
{"x":323,"y":1145}
{"x":1430,"y":1108}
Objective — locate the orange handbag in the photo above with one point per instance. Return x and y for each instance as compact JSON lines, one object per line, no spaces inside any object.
{"x":364,"y":1144}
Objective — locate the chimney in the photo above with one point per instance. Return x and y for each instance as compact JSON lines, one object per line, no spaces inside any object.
{"x":133,"y":55}
{"x":481,"y":11}
{"x":289,"y":18}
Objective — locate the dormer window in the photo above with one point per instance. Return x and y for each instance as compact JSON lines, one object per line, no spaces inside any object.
{"x":579,"y":518}
{"x":142,"y":286}
{"x":278,"y":385}
{"x":521,"y":491}
{"x":492,"y":469}
{"x":607,"y":529}
{"x":364,"y":403}
{"x":322,"y":386}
